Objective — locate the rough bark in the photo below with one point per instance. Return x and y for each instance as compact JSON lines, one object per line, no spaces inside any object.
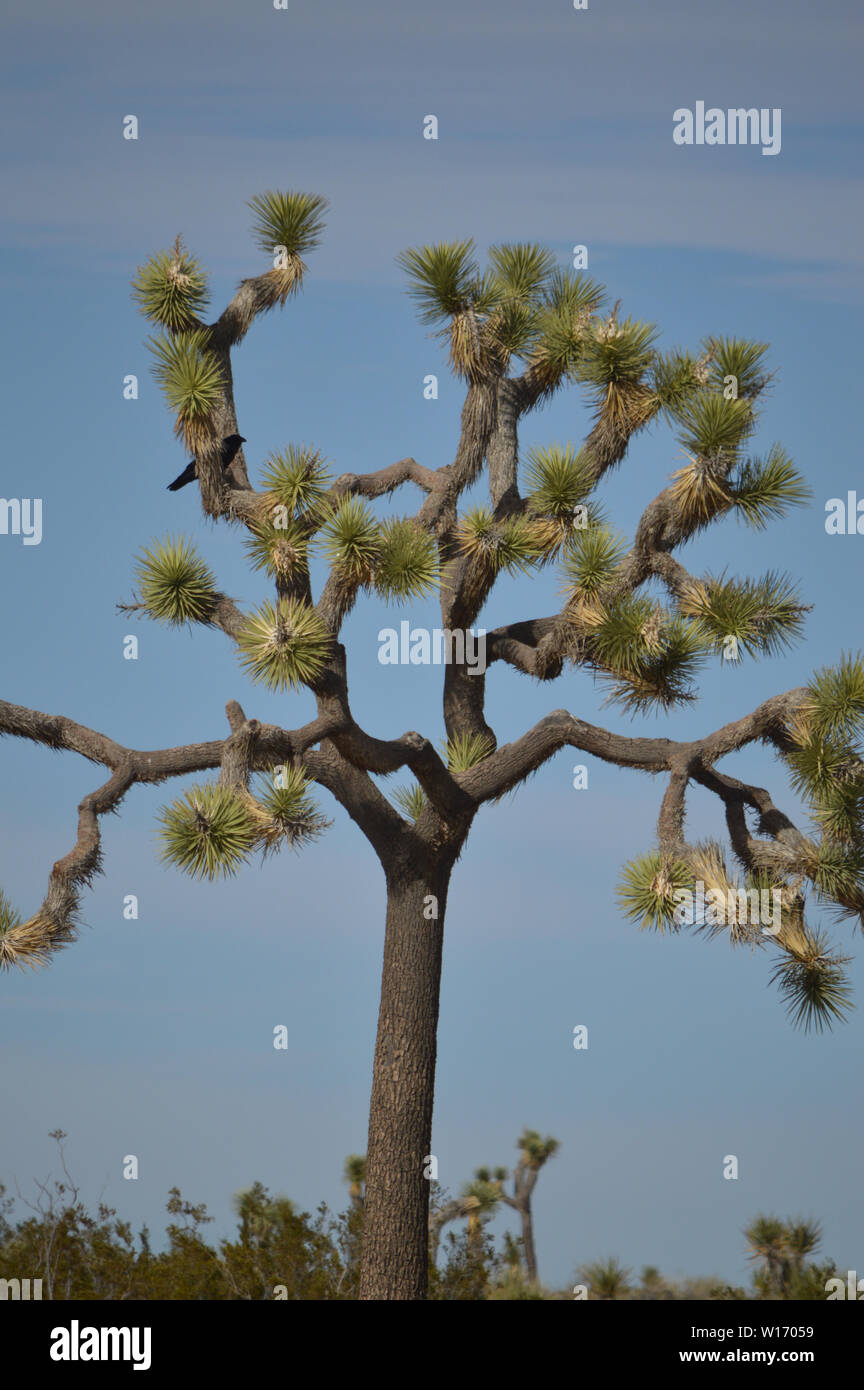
{"x":394,"y":1265}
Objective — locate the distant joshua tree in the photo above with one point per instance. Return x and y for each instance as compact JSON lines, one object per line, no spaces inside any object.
{"x":518,"y":330}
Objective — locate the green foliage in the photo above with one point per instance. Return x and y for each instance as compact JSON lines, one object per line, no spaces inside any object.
{"x":675,"y":379}
{"x":562,"y":326}
{"x":521,"y":269}
{"x":406,"y":565}
{"x":590,"y":560}
{"x":607,"y":1280}
{"x":712,"y":426}
{"x":297,"y":479}
{"x":352,"y":541}
{"x":282,"y":551}
{"x":176,"y":586}
{"x":763,"y":491}
{"x":464,"y":751}
{"x":616,"y":353}
{"x":442,"y":278}
{"x":740,"y":358}
{"x":812,"y":981}
{"x":9,"y":918}
{"x":512,"y":546}
{"x":190,"y":378}
{"x":836,"y":699}
{"x":647,"y":890}
{"x":284,"y":812}
{"x":559,"y":479}
{"x":207,"y":833}
{"x":292,"y":220}
{"x":411,"y":800}
{"x":645,"y":655}
{"x":171,"y":289}
{"x":763,"y":615}
{"x":284,"y":645}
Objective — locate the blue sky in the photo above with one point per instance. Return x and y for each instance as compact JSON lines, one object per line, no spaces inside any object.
{"x":155,"y":1037}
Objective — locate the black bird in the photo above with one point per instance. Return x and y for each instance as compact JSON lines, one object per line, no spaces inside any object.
{"x":227,"y":450}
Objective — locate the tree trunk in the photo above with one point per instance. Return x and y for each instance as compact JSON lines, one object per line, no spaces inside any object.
{"x":528,"y":1243}
{"x":396,"y":1224}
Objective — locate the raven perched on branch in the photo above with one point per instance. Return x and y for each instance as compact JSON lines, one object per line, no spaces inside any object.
{"x":227,"y":450}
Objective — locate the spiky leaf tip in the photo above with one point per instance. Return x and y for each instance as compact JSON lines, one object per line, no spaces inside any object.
{"x":442,"y":278}
{"x":648,"y":887}
{"x":513,"y":545}
{"x":171,"y":289}
{"x":285,"y":226}
{"x":175,"y":584}
{"x":714,"y":427}
{"x":282,"y":551}
{"x":284,"y":812}
{"x":406,"y":565}
{"x":191,"y":380}
{"x":739,"y":358}
{"x":351,"y":540}
{"x":297,"y":479}
{"x":411,"y":800}
{"x":763,"y":615}
{"x":616,"y":354}
{"x":207,"y":833}
{"x":9,"y":918}
{"x":284,"y":645}
{"x":835,"y":699}
{"x":590,"y":560}
{"x":763,"y":491}
{"x":464,"y":751}
{"x":812,"y":981}
{"x":559,"y":478}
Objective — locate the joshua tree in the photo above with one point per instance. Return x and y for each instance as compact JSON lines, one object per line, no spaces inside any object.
{"x":518,"y":331}
{"x":534,"y":1152}
{"x":781,"y":1248}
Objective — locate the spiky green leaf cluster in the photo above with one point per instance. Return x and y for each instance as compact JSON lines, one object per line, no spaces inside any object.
{"x":562,"y":326}
{"x":763,"y":615}
{"x":464,"y":751}
{"x":284,"y":645}
{"x":647,"y":890}
{"x":207,"y":833}
{"x":511,"y":546}
{"x":443,"y":278}
{"x":297,"y":479}
{"x":738,"y":357}
{"x":171,"y":289}
{"x":352,"y":541}
{"x":191,"y":380}
{"x":176,"y":586}
{"x":521,"y":269}
{"x":559,"y":478}
{"x":812,"y":981}
{"x":646,"y":656}
{"x":281,"y":551}
{"x":411,"y":800}
{"x":616,"y":353}
{"x":825,"y":759}
{"x":284,"y":811}
{"x":835,"y":706}
{"x":675,"y":380}
{"x":9,"y":918}
{"x":292,"y":220}
{"x":712,"y":426}
{"x":406,"y":565}
{"x":765,"y":490}
{"x":591,"y":558}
